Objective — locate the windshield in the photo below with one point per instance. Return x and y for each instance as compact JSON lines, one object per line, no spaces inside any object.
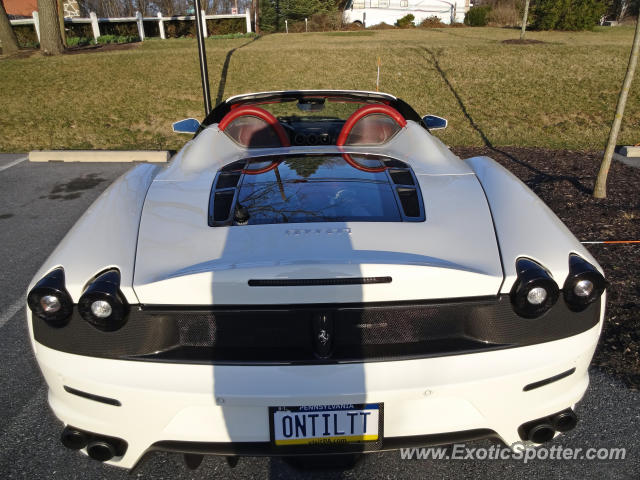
{"x":313,"y":109}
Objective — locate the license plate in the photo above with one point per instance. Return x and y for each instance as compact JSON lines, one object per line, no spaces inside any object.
{"x":325,"y":424}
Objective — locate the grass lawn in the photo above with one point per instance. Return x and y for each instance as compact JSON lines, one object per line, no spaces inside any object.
{"x":558,"y":94}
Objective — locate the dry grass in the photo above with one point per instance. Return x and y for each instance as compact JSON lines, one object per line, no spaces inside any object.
{"x":560,"y":94}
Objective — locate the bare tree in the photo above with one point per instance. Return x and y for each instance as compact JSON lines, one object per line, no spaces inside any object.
{"x":624,"y":5}
{"x":166,"y":7}
{"x":7,"y":35}
{"x":600,"y":190}
{"x":525,"y":17}
{"x":143,"y":7}
{"x":212,"y":6}
{"x":50,"y":37}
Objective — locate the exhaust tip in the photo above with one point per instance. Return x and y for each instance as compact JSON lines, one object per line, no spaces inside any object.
{"x":565,"y":421}
{"x":541,"y":433}
{"x":101,"y":450}
{"x":73,"y":438}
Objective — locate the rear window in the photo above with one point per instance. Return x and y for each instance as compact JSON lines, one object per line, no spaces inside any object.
{"x":315,"y":188}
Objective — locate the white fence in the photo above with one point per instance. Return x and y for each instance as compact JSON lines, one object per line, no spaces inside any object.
{"x":138,"y":19}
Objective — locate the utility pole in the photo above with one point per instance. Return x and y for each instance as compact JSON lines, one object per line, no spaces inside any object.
{"x":202,"y":55}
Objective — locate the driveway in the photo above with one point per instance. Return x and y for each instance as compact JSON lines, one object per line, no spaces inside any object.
{"x":40,"y":202}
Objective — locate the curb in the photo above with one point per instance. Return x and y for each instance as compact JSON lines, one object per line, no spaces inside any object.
{"x":152,"y":156}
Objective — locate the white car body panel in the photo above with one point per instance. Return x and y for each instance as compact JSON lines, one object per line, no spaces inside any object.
{"x":152,"y":226}
{"x":182,"y":260}
{"x":520,"y":218}
{"x":110,"y":227}
{"x":230,"y":403}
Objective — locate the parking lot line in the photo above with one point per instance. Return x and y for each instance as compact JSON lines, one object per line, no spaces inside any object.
{"x":11,"y":164}
{"x":11,"y":311}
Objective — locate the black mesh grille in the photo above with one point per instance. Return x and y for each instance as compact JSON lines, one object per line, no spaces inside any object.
{"x":290,"y":333}
{"x":409,"y":201}
{"x":402,"y":177}
{"x":222,"y":205}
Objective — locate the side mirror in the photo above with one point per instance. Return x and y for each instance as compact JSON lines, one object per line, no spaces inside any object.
{"x":433,"y":122}
{"x":189,"y":125}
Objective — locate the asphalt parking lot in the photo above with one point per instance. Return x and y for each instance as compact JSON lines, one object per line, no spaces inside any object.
{"x":40,"y":202}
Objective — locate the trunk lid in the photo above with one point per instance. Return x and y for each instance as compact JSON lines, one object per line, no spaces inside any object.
{"x":182,"y":261}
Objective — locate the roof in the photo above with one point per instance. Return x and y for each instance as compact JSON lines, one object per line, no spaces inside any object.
{"x":20,"y":7}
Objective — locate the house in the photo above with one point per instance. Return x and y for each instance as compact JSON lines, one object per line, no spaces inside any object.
{"x":20,"y":8}
{"x":373,"y":12}
{"x":25,"y":8}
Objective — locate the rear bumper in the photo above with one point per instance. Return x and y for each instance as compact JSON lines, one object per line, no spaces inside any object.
{"x":224,"y":409}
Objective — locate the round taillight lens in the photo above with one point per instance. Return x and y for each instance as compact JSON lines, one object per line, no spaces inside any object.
{"x":102,"y":304}
{"x":534,"y":291}
{"x":584,"y":284}
{"x":49,"y":299}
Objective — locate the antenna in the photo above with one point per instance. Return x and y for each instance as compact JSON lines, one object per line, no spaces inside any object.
{"x":202,"y":55}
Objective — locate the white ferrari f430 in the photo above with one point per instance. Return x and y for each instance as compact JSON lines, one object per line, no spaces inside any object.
{"x":314,"y":273}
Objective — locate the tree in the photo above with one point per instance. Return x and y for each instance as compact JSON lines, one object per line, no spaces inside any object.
{"x":600,"y":190}
{"x":50,"y":37}
{"x":7,"y":36}
{"x":624,"y":4}
{"x":273,"y":13}
{"x":525,"y":16}
{"x":63,"y":35}
{"x":567,"y":14}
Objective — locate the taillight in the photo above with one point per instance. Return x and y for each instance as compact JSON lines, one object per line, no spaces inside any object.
{"x":584,"y":285}
{"x":49,"y":299}
{"x":102,"y":304}
{"x":534,"y":292}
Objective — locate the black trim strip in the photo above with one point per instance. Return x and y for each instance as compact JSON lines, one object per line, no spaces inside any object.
{"x":261,"y":449}
{"x":91,"y":396}
{"x":159,"y":308}
{"x":312,"y":282}
{"x":549,"y":380}
{"x":284,"y":334}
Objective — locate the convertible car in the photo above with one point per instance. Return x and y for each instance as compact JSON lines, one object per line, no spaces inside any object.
{"x":314,"y":273}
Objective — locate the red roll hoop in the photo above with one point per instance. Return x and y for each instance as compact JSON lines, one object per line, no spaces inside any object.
{"x":354,"y":164}
{"x":363,"y":112}
{"x":262,"y":115}
{"x":261,"y":170}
